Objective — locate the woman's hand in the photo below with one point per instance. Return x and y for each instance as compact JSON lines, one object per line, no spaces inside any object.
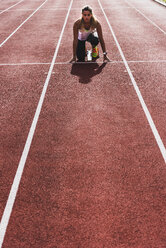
{"x":73,"y":60}
{"x":106,"y":59}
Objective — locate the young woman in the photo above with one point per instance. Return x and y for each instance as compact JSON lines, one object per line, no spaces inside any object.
{"x":84,"y":30}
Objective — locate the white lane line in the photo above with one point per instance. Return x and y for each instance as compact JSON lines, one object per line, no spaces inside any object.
{"x":21,"y":24}
{"x":98,"y":62}
{"x":11,"y":7}
{"x":161,"y":2}
{"x":140,"y":12}
{"x":13,"y":192}
{"x":146,"y":111}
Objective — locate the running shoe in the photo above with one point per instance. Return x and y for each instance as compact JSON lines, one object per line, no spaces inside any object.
{"x":89,"y":55}
{"x":95,"y":52}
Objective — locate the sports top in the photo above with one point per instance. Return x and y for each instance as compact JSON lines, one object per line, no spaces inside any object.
{"x":84,"y":33}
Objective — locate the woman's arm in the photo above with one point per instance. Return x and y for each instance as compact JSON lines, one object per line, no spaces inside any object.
{"x":101,"y":39}
{"x":75,"y":40}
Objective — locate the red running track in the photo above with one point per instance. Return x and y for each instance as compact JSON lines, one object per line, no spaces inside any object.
{"x":94,"y":176}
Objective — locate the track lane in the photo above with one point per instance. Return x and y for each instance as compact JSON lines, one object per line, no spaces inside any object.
{"x":1,"y":12}
{"x":149,"y":15}
{"x":143,"y":49}
{"x":16,"y":182}
{"x":20,"y":26}
{"x":152,"y":10}
{"x":155,"y":51}
{"x":36,"y":42}
{"x":19,"y":97}
{"x":9,"y":22}
{"x":98,"y":178}
{"x":16,"y":89}
{"x":14,"y":81}
{"x":79,"y":172}
{"x":8,"y":4}
{"x":134,"y":83}
{"x":153,"y":90}
{"x":28,"y":4}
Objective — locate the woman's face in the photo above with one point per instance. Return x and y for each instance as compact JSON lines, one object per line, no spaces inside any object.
{"x":86,"y":15}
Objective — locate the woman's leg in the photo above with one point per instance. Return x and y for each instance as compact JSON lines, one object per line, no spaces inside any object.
{"x":93,"y":40}
{"x":81,"y":50}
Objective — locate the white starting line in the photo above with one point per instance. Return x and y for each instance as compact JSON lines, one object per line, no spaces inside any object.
{"x":97,"y":62}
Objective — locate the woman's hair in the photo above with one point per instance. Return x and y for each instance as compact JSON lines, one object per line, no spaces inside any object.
{"x":87,"y":8}
{"x":93,"y":19}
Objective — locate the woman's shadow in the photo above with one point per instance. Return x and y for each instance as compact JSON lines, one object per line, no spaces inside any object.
{"x":86,"y":71}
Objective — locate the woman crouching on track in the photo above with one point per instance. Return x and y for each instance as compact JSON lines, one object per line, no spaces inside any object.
{"x":84,"y":30}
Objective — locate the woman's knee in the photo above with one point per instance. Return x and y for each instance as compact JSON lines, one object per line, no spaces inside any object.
{"x":93,"y":40}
